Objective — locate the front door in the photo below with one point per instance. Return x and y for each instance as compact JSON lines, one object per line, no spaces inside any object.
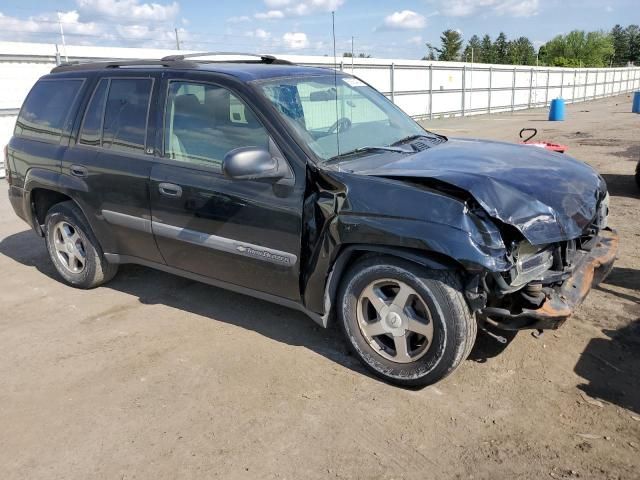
{"x":242,"y":232}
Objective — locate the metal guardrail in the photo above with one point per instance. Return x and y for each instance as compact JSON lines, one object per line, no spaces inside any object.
{"x":628,"y":81}
{"x":576,"y":85}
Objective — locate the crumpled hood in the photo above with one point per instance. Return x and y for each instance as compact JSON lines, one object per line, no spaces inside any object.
{"x":547,"y":196}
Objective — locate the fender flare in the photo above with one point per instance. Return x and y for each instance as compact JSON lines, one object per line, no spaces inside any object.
{"x":428,"y":259}
{"x":40,"y":178}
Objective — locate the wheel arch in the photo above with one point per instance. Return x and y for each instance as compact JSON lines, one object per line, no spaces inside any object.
{"x":44,"y":189}
{"x":350,"y":254}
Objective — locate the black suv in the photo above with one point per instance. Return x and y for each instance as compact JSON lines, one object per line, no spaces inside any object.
{"x":307,"y":187}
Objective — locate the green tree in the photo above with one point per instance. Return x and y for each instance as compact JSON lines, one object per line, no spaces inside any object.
{"x":579,"y":49}
{"x":431,"y":53}
{"x":486,"y":50}
{"x":473,"y":50}
{"x":359,"y":55}
{"x":451,"y":44}
{"x":501,"y":49}
{"x":521,"y":52}
{"x":633,"y":39}
{"x":620,"y":45}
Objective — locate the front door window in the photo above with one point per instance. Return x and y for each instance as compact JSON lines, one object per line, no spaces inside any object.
{"x":205,"y":122}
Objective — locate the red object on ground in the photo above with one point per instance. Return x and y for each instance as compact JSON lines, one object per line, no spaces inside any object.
{"x":554,"y":147}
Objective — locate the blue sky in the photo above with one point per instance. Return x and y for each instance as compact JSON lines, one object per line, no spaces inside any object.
{"x":381,"y":28}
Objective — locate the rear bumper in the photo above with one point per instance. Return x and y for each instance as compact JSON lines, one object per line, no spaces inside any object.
{"x":560,"y":304}
{"x":18,"y":200}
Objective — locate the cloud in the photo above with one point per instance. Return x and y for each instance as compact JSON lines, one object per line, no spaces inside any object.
{"x":128,"y":11}
{"x":259,"y":33}
{"x":12,"y":28}
{"x":270,"y":15}
{"x":277,"y":3}
{"x":295,"y":40}
{"x":87,"y":27}
{"x":240,"y":19}
{"x":404,"y":20}
{"x":297,"y":8}
{"x":465,"y":8}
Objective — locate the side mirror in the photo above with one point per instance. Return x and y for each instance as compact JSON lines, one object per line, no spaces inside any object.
{"x":250,"y":163}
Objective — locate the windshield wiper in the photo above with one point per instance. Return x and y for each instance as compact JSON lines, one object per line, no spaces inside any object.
{"x":411,"y":138}
{"x":366,"y":149}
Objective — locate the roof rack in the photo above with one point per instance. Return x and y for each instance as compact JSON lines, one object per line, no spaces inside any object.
{"x":175,"y":61}
{"x":269,"y":59}
{"x":75,"y":66}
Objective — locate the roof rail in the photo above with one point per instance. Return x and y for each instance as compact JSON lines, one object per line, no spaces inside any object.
{"x":263,"y":58}
{"x":78,"y":66}
{"x":175,"y":61}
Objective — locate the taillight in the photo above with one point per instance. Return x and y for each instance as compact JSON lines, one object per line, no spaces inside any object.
{"x":6,"y":164}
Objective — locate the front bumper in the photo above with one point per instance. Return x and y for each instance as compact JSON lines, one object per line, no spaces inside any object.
{"x":591,"y":269}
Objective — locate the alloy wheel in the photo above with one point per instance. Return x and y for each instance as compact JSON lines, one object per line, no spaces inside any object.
{"x":395,"y":320}
{"x":69,"y":247}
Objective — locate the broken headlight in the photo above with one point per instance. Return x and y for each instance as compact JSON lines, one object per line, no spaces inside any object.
{"x":603,"y":213}
{"x":530,"y":263}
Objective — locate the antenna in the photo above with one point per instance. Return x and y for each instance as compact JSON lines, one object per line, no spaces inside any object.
{"x":64,"y":44}
{"x":335,"y":77}
{"x":177,"y":39}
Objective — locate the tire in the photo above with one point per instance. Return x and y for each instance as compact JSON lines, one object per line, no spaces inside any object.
{"x":439,"y":329}
{"x":73,"y":248}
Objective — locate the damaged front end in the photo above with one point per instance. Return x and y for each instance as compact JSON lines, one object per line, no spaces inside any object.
{"x":546,"y":284}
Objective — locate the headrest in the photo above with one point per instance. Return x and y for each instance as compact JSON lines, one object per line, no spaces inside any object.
{"x":187,"y":102}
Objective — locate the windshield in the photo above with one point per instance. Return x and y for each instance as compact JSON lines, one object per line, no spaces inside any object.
{"x":336,"y":117}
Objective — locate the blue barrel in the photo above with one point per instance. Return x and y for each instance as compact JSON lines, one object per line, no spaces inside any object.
{"x":636,"y":103}
{"x":556,"y":112}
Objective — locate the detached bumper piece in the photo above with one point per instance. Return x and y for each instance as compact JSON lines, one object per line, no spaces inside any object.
{"x":559,"y":304}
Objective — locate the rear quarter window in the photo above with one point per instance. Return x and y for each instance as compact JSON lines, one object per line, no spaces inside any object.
{"x":46,"y":109}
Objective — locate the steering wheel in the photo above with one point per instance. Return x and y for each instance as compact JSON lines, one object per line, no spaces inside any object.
{"x":341,"y":125}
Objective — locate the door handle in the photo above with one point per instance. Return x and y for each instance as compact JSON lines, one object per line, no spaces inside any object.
{"x":170,"y":190}
{"x":78,"y":171}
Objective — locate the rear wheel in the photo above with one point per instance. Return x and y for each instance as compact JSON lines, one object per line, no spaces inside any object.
{"x":409,"y":325}
{"x":73,"y":248}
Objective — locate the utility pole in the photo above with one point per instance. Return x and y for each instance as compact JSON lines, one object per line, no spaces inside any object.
{"x":64,"y":45}
{"x":471,"y":81}
{"x":177,"y":39}
{"x":352,"y":53}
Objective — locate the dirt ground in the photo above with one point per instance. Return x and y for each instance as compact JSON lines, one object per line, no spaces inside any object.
{"x":154,"y":376}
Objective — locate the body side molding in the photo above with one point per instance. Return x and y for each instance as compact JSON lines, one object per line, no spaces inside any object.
{"x":224,"y":244}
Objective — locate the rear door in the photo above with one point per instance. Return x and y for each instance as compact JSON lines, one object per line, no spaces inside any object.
{"x":242,"y":232}
{"x":110,"y":157}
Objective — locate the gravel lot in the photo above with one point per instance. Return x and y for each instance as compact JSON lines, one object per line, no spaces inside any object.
{"x":154,"y":376}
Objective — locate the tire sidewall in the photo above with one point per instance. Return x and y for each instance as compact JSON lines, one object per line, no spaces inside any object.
{"x":85,"y":278}
{"x":437,"y":360}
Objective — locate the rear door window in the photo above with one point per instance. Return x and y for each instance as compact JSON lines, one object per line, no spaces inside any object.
{"x":46,"y":109}
{"x":91,"y":133}
{"x":116,"y":117}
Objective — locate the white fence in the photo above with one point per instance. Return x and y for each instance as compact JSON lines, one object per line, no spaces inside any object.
{"x":423,"y":89}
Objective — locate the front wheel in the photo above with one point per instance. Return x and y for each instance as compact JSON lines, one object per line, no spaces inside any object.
{"x":409,"y":325}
